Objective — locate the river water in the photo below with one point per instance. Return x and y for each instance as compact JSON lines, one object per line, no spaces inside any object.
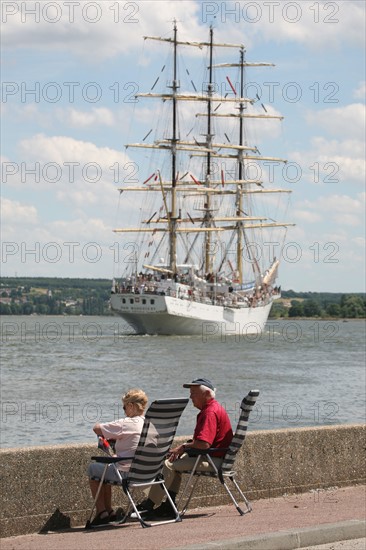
{"x":60,"y":375}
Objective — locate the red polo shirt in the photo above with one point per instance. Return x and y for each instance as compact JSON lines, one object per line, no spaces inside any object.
{"x":213,"y":425}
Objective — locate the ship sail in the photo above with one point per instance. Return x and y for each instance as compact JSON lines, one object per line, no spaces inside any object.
{"x":197,"y":261}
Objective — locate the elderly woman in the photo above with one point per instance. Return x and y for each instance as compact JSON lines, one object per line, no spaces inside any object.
{"x":126,"y":432}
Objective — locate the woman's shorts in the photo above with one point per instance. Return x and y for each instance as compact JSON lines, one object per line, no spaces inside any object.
{"x":96,"y":469}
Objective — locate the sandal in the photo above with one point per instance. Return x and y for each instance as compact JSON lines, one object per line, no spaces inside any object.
{"x":100,"y":519}
{"x":116,"y":515}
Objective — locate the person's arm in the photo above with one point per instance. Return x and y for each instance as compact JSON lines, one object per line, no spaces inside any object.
{"x":97,"y":429}
{"x":194,"y":444}
{"x":206,"y":426}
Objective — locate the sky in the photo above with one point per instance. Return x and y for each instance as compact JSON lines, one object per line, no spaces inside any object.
{"x":70,"y":70}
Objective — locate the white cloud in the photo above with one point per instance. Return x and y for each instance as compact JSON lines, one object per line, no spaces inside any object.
{"x":69,"y":117}
{"x":15,"y":213}
{"x":347,"y":121}
{"x":76,"y":247}
{"x":307,"y":216}
{"x":91,"y":30}
{"x":329,"y":24}
{"x":78,"y":171}
{"x":329,"y":232}
{"x":22,"y":223}
{"x":82,"y":230}
{"x":342,"y":210}
{"x":86,"y":187}
{"x":61,"y":149}
{"x":340,"y":159}
{"x":27,"y":113}
{"x":81,"y":119}
{"x":97,"y":27}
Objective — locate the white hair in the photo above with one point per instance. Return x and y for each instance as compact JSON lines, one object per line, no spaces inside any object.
{"x":212,"y":392}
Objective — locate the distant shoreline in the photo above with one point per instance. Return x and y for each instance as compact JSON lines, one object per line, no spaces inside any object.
{"x":340,"y":319}
{"x":74,"y":297}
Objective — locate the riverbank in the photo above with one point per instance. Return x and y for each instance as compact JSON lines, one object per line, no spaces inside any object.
{"x":45,"y":488}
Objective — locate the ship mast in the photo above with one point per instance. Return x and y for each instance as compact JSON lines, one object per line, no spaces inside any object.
{"x":238,"y":223}
{"x":173,"y":213}
{"x":239,"y":199}
{"x":208,"y":199}
{"x":241,"y":235}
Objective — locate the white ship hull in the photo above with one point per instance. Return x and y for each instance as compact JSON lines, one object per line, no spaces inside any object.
{"x":166,"y":315}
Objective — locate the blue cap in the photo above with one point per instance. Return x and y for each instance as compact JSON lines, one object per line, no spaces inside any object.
{"x":200,"y":382}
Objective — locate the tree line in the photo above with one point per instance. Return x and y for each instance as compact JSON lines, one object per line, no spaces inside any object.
{"x":64,"y":296}
{"x":319,"y":304}
{"x":54,"y":296}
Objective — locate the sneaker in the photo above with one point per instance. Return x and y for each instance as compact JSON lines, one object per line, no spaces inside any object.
{"x":163,"y":511}
{"x":145,"y":506}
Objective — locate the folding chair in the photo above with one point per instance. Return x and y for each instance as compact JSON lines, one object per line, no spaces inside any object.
{"x":225,"y":471}
{"x":161,"y":421}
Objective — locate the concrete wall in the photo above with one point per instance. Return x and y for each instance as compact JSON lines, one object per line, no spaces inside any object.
{"x":45,"y":488}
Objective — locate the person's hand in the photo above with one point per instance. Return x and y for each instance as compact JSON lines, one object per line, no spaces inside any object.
{"x":175,"y":453}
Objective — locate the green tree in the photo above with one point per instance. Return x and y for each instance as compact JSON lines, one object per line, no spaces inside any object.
{"x":353,"y":306}
{"x":312,"y":308}
{"x":334,"y":310}
{"x":278,"y":310}
{"x":296,"y":309}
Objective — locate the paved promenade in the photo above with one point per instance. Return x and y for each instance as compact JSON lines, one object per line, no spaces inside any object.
{"x":285,"y":523}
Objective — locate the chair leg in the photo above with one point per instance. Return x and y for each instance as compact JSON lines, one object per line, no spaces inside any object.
{"x":191,"y":475}
{"x":186,"y":504}
{"x":246,"y":502}
{"x":142,"y":521}
{"x":172,"y":504}
{"x":133,"y":505}
{"x":87,"y":525}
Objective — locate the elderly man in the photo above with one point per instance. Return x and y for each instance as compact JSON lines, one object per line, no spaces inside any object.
{"x":213,"y":429}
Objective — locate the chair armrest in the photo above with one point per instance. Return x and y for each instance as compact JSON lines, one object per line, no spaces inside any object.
{"x":210,"y":451}
{"x":111,"y":459}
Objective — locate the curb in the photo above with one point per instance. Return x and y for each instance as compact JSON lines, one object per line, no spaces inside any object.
{"x":288,"y":540}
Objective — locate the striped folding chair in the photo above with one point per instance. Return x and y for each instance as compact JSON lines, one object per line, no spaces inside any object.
{"x":161,"y":421}
{"x":225,"y":471}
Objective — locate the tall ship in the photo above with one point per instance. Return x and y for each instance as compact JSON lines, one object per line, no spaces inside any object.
{"x":203,"y":255}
